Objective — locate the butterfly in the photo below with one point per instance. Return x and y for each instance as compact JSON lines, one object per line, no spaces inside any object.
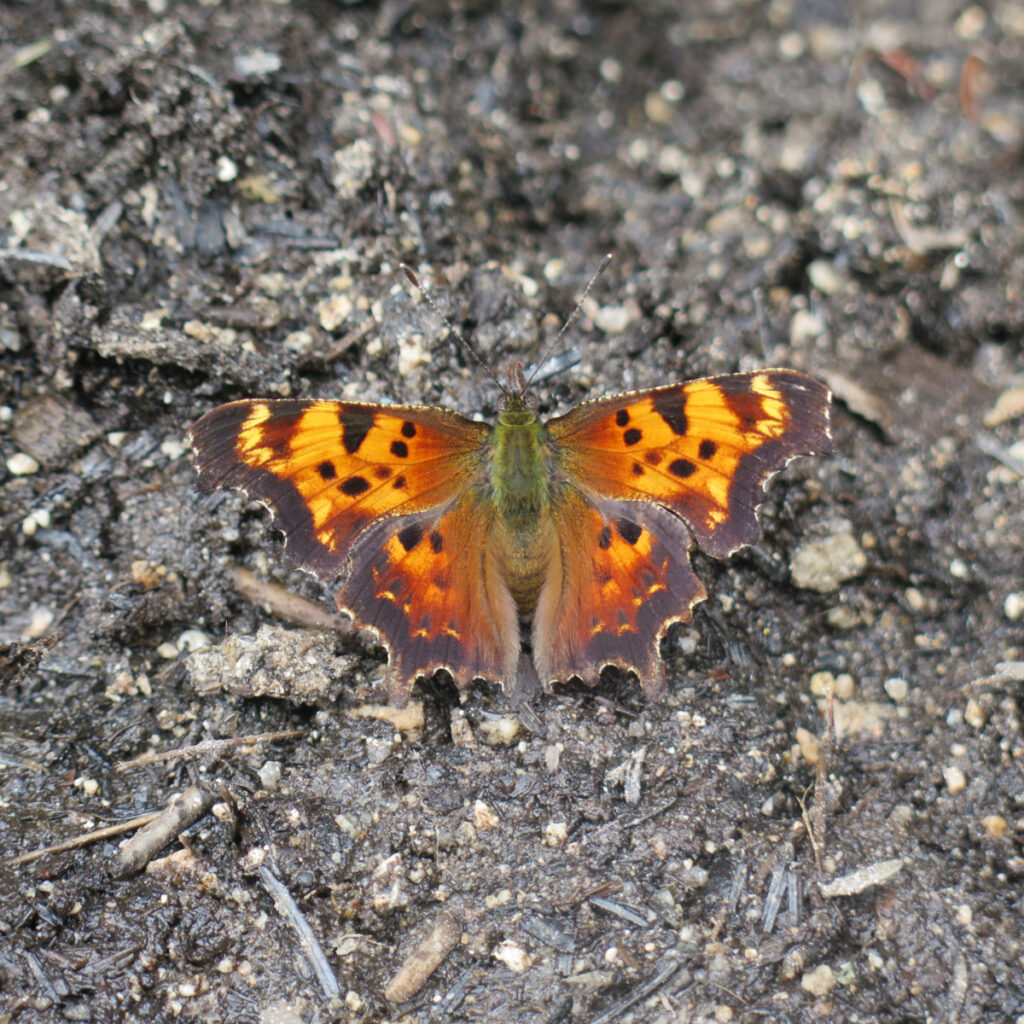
{"x":520,"y":551}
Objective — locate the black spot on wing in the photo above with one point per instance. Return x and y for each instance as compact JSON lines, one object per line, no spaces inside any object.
{"x":354,"y":486}
{"x":622,"y":417}
{"x":629,"y":531}
{"x":410,"y":536}
{"x":436,"y":542}
{"x":682,"y":468}
{"x":632,"y":436}
{"x":399,"y":449}
{"x":671,"y":407}
{"x":707,"y":449}
{"x":327,"y":470}
{"x":408,"y":429}
{"x":356,"y":423}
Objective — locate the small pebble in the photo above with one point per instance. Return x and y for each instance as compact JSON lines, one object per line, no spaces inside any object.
{"x":819,"y":981}
{"x":556,"y":833}
{"x":994,"y":825}
{"x":897,"y":689}
{"x":964,"y":915}
{"x":484,"y":817}
{"x":22,"y":464}
{"x":270,"y":775}
{"x":956,"y":781}
{"x":823,"y":276}
{"x":1013,"y":606}
{"x":823,"y":565}
{"x":513,"y":956}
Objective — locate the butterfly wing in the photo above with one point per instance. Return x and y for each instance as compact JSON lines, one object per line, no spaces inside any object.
{"x":327,"y":470}
{"x":387,"y":495}
{"x":429,"y":585}
{"x":618,"y":583}
{"x":704,"y":449}
{"x":645,"y":475}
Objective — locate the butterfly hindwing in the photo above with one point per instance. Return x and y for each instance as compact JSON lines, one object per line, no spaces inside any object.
{"x":704,"y":449}
{"x":426,"y":583}
{"x":624,"y":578}
{"x":327,"y":470}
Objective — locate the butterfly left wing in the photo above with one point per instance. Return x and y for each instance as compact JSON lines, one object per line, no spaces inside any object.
{"x":645,"y":475}
{"x":327,"y":470}
{"x":385,"y":495}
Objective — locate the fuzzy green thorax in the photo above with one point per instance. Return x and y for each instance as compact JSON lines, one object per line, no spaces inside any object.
{"x":519,"y":471}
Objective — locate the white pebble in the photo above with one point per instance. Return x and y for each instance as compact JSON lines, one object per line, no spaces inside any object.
{"x":955,"y":779}
{"x":897,"y":689}
{"x":22,"y":464}
{"x":1013,"y":606}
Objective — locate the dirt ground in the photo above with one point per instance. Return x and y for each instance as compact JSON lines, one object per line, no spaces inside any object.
{"x":202,"y":201}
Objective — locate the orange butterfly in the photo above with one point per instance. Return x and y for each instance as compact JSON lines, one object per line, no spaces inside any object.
{"x":518,"y":550}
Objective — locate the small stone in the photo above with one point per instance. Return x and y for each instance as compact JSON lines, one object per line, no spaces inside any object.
{"x":964,"y":915}
{"x":804,"y":327}
{"x":41,"y":621}
{"x":975,"y":714}
{"x":192,"y":640}
{"x":845,"y":685}
{"x":822,"y":683}
{"x":823,"y":565}
{"x":819,"y":981}
{"x":484,"y":817}
{"x":353,"y":168}
{"x":513,"y":956}
{"x":809,"y":746}
{"x":227,"y":169}
{"x":956,"y":781}
{"x":994,"y":825}
{"x":897,"y":689}
{"x":270,"y":775}
{"x":502,"y":731}
{"x":615,"y":319}
{"x":824,"y":276}
{"x":1013,"y":606}
{"x":959,"y":569}
{"x":334,"y":312}
{"x":556,"y":833}
{"x":22,"y":464}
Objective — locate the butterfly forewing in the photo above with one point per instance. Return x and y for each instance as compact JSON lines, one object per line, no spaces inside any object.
{"x":327,"y":470}
{"x":704,"y":449}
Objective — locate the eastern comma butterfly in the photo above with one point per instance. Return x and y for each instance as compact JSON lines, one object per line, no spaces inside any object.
{"x":521,"y":550}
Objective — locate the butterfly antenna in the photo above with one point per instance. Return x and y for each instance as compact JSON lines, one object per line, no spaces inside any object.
{"x":570,"y":320}
{"x":460,"y":337}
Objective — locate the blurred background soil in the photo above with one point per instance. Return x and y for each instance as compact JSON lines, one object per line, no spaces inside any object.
{"x":203,"y":201}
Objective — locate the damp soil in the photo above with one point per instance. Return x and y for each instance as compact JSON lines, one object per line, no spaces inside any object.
{"x":206,"y":202}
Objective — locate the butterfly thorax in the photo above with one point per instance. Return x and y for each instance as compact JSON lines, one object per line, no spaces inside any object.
{"x":522,"y":530}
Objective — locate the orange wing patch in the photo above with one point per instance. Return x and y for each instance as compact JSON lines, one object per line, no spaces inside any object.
{"x":327,"y":470}
{"x":704,"y":449}
{"x":624,"y":579}
{"x":427,"y":585}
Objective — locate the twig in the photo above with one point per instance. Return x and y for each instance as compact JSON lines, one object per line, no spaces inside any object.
{"x":310,"y":945}
{"x":287,"y":605}
{"x":206,"y":747}
{"x":646,"y":989}
{"x":85,"y":839}
{"x":182,"y":812}
{"x":430,"y":952}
